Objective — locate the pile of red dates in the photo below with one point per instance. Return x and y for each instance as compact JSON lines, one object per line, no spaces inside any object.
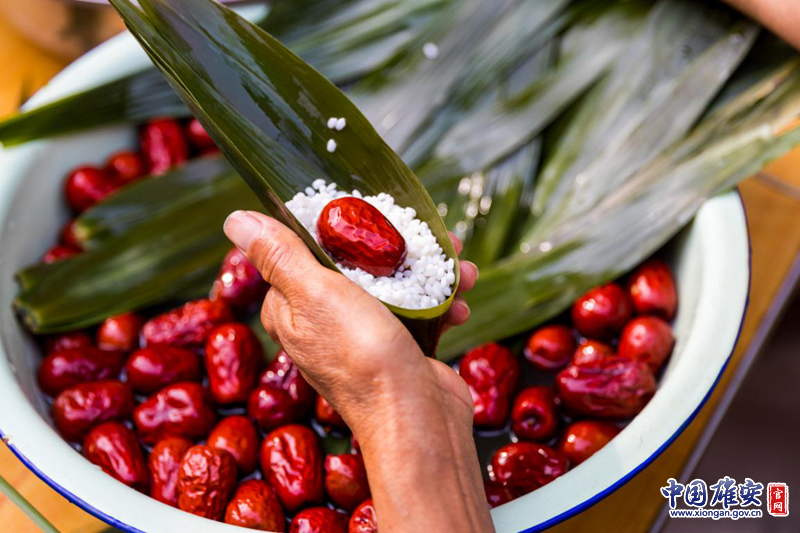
{"x":184,"y":407}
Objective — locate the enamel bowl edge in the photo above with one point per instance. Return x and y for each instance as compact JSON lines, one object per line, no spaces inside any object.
{"x":711,"y":260}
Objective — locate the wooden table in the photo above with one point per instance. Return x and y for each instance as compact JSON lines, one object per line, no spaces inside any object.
{"x":772,"y":200}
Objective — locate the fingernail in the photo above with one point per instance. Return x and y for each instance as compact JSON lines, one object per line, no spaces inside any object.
{"x":475,"y":268}
{"x":241,"y":228}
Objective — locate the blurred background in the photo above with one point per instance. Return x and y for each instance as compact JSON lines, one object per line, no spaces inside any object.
{"x":749,"y":428}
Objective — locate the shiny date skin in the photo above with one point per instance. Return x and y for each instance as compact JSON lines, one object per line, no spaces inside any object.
{"x":271,"y":408}
{"x":152,"y":368}
{"x":525,"y":466}
{"x":357,"y":235}
{"x":534,"y":415}
{"x":291,"y":460}
{"x":181,"y":410}
{"x":68,"y":341}
{"x":584,"y":438}
{"x":206,"y":481}
{"x":67,"y":368}
{"x":85,"y":186}
{"x":364,"y":519}
{"x":238,"y":436}
{"x":346,"y":480}
{"x":327,"y":415}
{"x":647,"y":339}
{"x":652,"y":290}
{"x":125,"y":167}
{"x":319,"y":520}
{"x":78,"y":409}
{"x":120,"y":332}
{"x":590,"y":351}
{"x":615,"y":388}
{"x":282,"y":373}
{"x":115,"y":449}
{"x":233,"y":357}
{"x":239,"y":284}
{"x":255,"y":506}
{"x":492,"y":373}
{"x":550,"y":347}
{"x":163,"y":145}
{"x":187,"y":326}
{"x":163,"y":464}
{"x":497,"y":494}
{"x":602,"y":312}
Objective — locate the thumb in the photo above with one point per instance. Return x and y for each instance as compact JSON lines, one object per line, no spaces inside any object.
{"x":277,"y":252}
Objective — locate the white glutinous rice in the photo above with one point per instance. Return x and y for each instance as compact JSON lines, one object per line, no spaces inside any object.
{"x":332,"y":123}
{"x":426,"y":277}
{"x":331,"y":146}
{"x":341,"y":124}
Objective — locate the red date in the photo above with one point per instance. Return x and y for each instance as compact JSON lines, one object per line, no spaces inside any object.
{"x":327,"y":415}
{"x":647,"y":339}
{"x":526,"y":466}
{"x":492,"y":374}
{"x":615,"y":388}
{"x":237,"y":436}
{"x":199,"y":137}
{"x":583,"y":439}
{"x":86,"y":186}
{"x":283,"y":374}
{"x":233,"y":355}
{"x":59,"y":253}
{"x":68,"y":341}
{"x":188,"y":326}
{"x":319,"y":520}
{"x":114,"y":448}
{"x":206,"y":481}
{"x":534,"y":416}
{"x":364,"y":519}
{"x":357,"y":235}
{"x":125,"y":167}
{"x":181,"y":410}
{"x":255,"y":506}
{"x":67,"y":368}
{"x":155,"y":367}
{"x":163,"y":145}
{"x":602,"y":312}
{"x":68,"y":236}
{"x":239,"y":284}
{"x":346,"y":480}
{"x":590,"y":351}
{"x":652,"y":289}
{"x":550,"y":347}
{"x":163,"y":464}
{"x":120,"y":332}
{"x":271,"y":408}
{"x":80,"y":408}
{"x":291,"y":459}
{"x":497,"y":494}
{"x":490,"y":407}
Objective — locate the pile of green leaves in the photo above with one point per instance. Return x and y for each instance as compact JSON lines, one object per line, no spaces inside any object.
{"x":563,"y":140}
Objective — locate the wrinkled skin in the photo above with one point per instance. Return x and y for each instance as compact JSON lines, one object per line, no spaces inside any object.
{"x":150,"y":369}
{"x":346,"y":481}
{"x":550,"y":347}
{"x":327,"y":415}
{"x":66,"y":368}
{"x":255,"y":506}
{"x":283,"y":374}
{"x":237,"y":436}
{"x":364,"y":519}
{"x":534,"y":416}
{"x":291,"y":460}
{"x":652,"y":290}
{"x":584,"y":438}
{"x":181,"y":410}
{"x":187,"y":326}
{"x":120,"y":332}
{"x":647,"y":339}
{"x":206,"y":481}
{"x":163,"y":464}
{"x":163,"y":145}
{"x":233,"y":356}
{"x":497,"y":494}
{"x":319,"y":520}
{"x":602,"y":312}
{"x":115,"y":449}
{"x":615,"y":388}
{"x":85,"y":186}
{"x":590,"y":351}
{"x":239,"y":284}
{"x":125,"y":167}
{"x":80,"y":408}
{"x":492,"y":374}
{"x":357,"y":235}
{"x":271,"y":408}
{"x":525,"y":466}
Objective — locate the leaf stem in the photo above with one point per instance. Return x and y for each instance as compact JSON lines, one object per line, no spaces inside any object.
{"x":20,"y":501}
